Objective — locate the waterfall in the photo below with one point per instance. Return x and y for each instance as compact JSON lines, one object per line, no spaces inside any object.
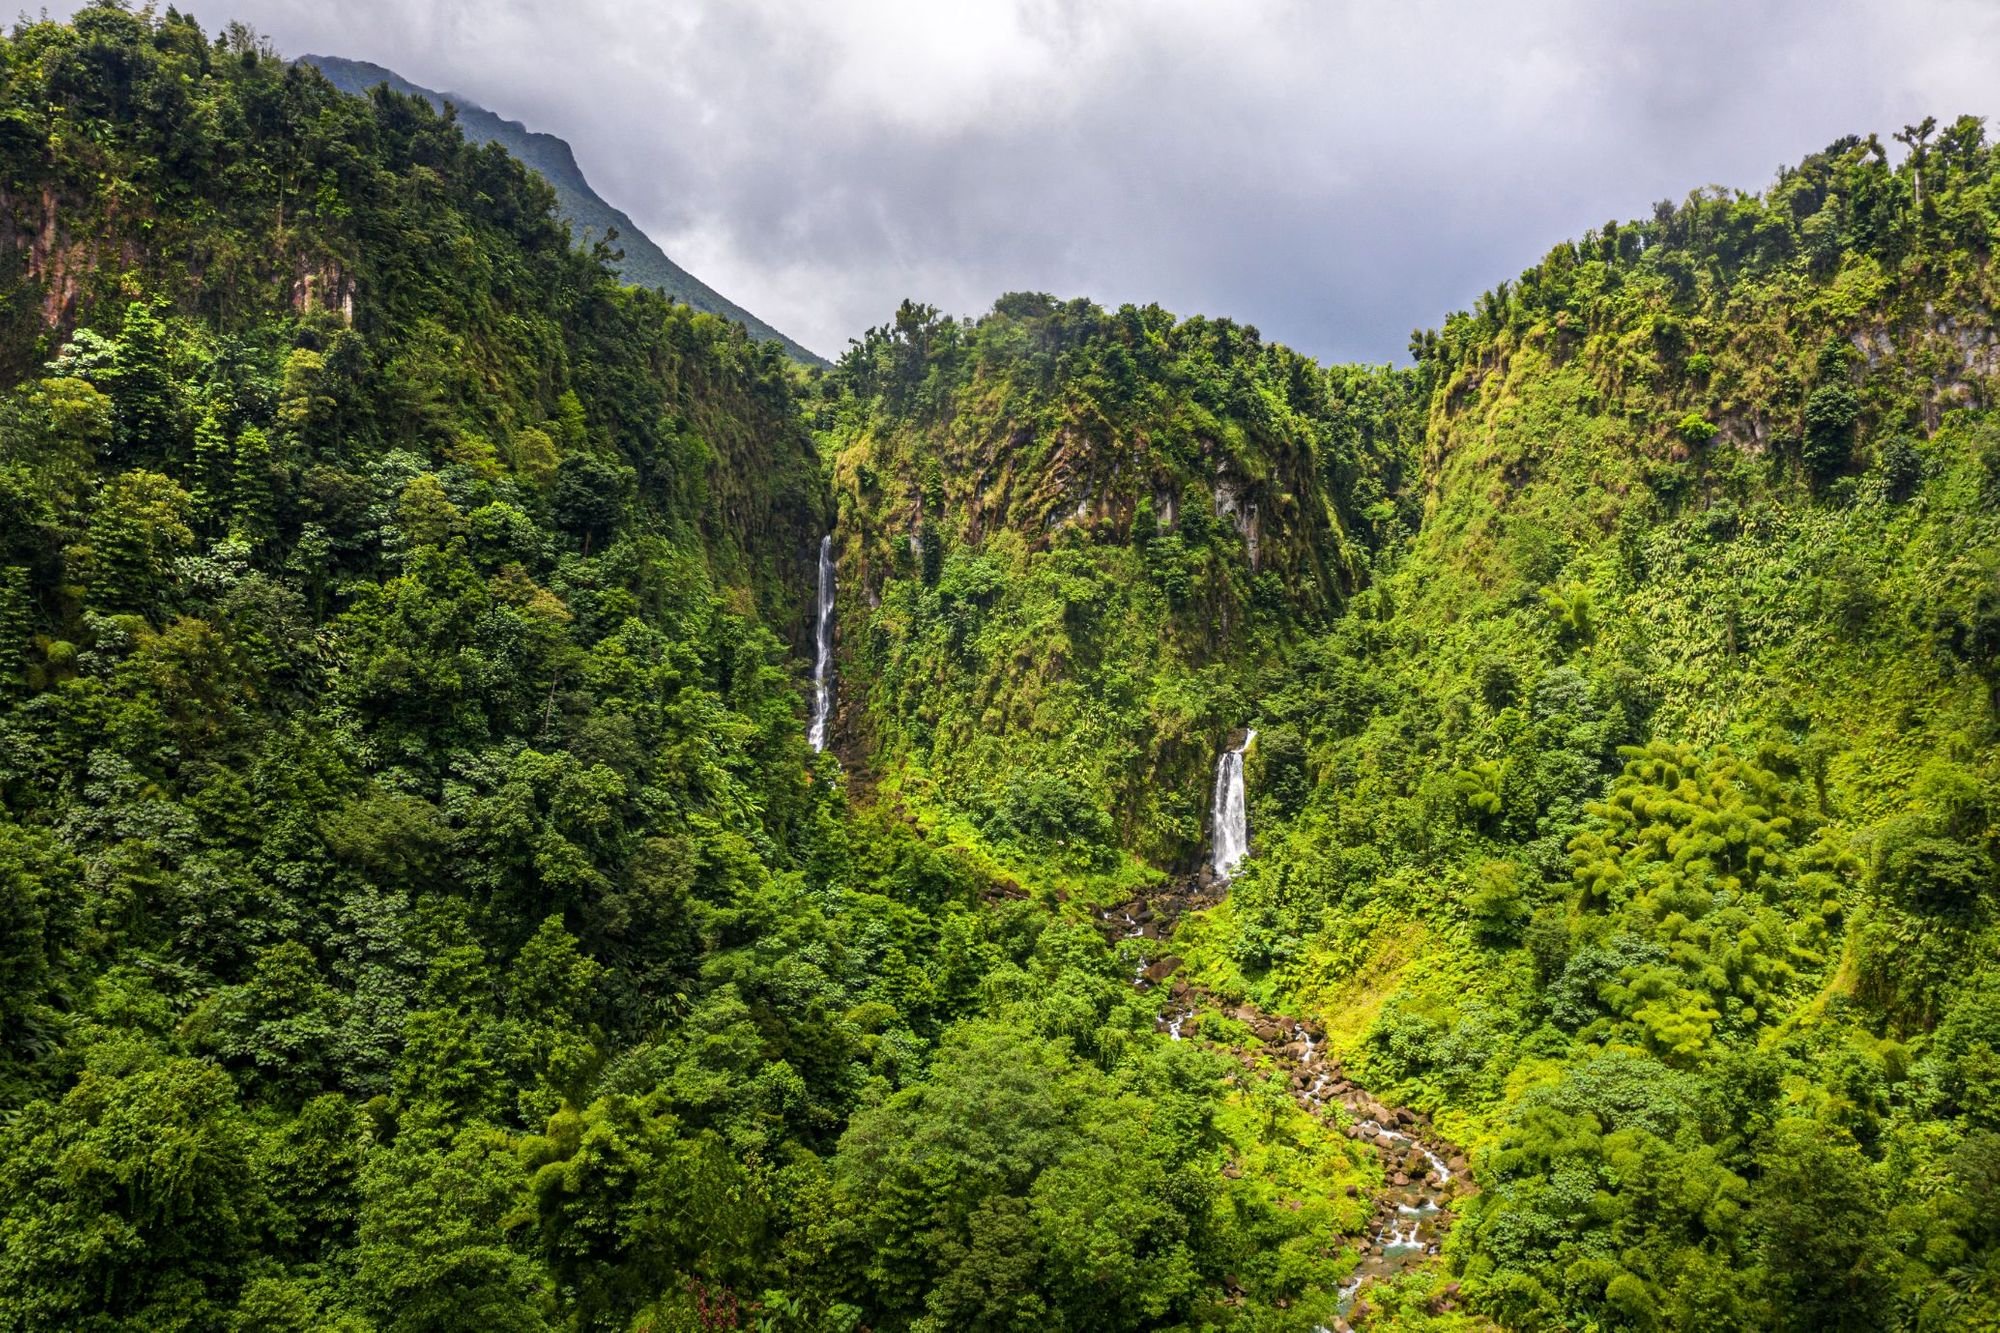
{"x":822,"y":696}
{"x":1232,"y":821}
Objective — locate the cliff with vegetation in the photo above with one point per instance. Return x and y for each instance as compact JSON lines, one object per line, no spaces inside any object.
{"x":1071,"y":539}
{"x":1649,"y":837}
{"x":421,"y":908}
{"x":1624,"y":684}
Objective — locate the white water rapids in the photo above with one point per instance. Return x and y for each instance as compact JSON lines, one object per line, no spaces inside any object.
{"x":1369,"y":1129}
{"x":1232,"y":819}
{"x":822,"y":695}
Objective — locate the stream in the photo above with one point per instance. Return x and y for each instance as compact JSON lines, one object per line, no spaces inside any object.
{"x":1422,"y":1173}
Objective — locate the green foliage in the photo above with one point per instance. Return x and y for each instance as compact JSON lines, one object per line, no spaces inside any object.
{"x":1016,"y":1189}
{"x":1641,"y":739}
{"x":419,"y":908}
{"x":1081,"y":534}
{"x":628,"y":1205}
{"x":133,"y":1197}
{"x":1831,"y":411}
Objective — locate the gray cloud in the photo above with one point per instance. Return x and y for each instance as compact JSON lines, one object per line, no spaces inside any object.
{"x":1333,"y":173}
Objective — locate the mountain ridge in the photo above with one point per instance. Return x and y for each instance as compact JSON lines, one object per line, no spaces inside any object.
{"x":643,"y":261}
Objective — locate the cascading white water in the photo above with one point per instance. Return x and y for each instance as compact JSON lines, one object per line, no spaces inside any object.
{"x":822,"y":697}
{"x":1232,"y":820}
{"x":1370,"y":1130}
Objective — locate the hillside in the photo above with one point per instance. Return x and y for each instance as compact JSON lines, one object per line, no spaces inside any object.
{"x":1625,"y":719}
{"x":421,"y":906}
{"x":422,"y":909}
{"x":1653,"y":843}
{"x":1076,"y":538}
{"x":640,"y":260}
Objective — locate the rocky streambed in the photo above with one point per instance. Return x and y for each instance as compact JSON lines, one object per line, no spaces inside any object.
{"x":1422,"y":1172}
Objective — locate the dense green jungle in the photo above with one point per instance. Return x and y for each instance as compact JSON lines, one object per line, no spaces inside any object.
{"x":424,"y":906}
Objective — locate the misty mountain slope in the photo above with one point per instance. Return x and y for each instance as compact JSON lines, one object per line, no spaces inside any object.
{"x":644,"y":263}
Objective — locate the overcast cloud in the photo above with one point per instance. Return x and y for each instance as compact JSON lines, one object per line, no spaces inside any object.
{"x":1335,"y":174}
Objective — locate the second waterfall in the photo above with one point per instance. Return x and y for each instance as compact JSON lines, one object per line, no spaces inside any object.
{"x":822,"y":696}
{"x":1232,"y":818}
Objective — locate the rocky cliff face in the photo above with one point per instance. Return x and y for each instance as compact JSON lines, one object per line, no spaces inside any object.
{"x":1078,"y":534}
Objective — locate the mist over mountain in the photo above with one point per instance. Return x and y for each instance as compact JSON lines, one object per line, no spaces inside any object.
{"x":639,"y":260}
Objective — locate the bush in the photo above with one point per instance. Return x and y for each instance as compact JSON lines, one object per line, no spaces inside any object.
{"x":1831,"y":412}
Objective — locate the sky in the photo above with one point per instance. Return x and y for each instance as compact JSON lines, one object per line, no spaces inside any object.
{"x":1336,"y":174}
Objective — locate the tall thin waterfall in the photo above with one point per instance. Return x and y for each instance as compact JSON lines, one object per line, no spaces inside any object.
{"x":822,"y":697}
{"x":1232,"y":820}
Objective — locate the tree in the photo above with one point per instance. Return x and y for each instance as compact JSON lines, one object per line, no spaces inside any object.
{"x":1817,"y":1224}
{"x":143,"y":388}
{"x":630,"y":1204}
{"x":305,"y":409}
{"x":425,"y":513}
{"x":279,"y":1028}
{"x":250,"y":516}
{"x":213,"y":463}
{"x":131,"y":1199}
{"x":1016,"y":1188}
{"x":1831,"y":411}
{"x":15,"y":626}
{"x":38,"y":920}
{"x":137,"y":529}
{"x":588,"y":499}
{"x":433,"y":1250}
{"x":536,"y":458}
{"x":1914,"y":138}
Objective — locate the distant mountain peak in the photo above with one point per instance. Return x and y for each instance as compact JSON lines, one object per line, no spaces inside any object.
{"x":644,"y":263}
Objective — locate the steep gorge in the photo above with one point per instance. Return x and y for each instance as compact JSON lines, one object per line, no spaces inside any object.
{"x":427,"y":903}
{"x":1624,"y":690}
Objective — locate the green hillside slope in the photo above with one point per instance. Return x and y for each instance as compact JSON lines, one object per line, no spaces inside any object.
{"x":419,"y":905}
{"x":1631,"y":806}
{"x":1653,"y":837}
{"x":590,"y":217}
{"x":421,"y":908}
{"x":1076,"y":538}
